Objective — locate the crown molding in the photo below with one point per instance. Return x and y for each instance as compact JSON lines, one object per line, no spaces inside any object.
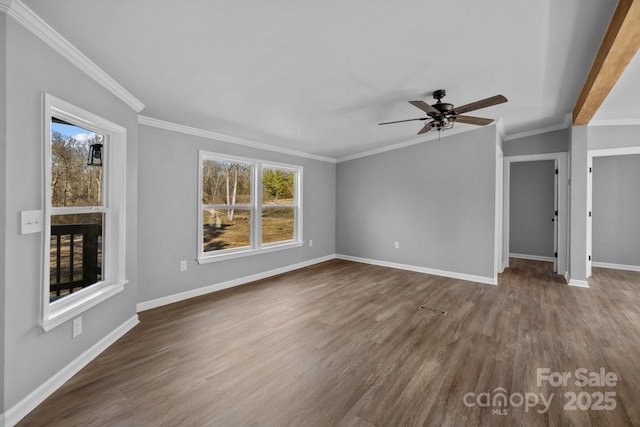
{"x":188,"y":130}
{"x":384,"y":149}
{"x":5,"y":5}
{"x":32,"y":22}
{"x":566,"y":122}
{"x":426,"y":137}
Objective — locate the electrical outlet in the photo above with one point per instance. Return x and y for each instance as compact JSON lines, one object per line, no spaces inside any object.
{"x":310,"y":243}
{"x":77,"y":327}
{"x":396,"y":245}
{"x":183,"y":265}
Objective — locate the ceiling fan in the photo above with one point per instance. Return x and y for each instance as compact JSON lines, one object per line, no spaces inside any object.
{"x":443,"y":115}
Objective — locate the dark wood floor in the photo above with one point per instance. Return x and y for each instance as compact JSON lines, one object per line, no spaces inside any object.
{"x":342,"y":344}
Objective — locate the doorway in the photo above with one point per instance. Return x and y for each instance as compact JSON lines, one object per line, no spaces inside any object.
{"x":536,"y":202}
{"x":533,"y":202}
{"x":613,"y":207}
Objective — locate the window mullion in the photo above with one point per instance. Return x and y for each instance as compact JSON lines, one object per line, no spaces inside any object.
{"x":78,"y":210}
{"x":257,"y":207}
{"x":297,"y":212}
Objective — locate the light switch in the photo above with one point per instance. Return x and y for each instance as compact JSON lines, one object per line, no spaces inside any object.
{"x":31,"y":221}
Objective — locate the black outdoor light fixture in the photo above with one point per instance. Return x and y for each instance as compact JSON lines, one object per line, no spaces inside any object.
{"x":95,"y":155}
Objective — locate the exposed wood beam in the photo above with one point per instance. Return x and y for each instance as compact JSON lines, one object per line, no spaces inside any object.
{"x":620,"y":44}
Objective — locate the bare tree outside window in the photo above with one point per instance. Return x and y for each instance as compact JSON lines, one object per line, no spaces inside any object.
{"x":226,"y":200}
{"x":75,"y":253}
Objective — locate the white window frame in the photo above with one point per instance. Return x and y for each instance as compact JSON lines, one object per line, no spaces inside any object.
{"x":295,"y":205}
{"x":256,"y":246}
{"x":114,"y":183}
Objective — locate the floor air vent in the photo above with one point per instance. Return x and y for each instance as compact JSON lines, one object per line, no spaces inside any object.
{"x":432,"y":310}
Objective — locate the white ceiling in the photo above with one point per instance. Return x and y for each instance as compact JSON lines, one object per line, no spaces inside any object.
{"x":622,"y":105}
{"x":318,"y":76}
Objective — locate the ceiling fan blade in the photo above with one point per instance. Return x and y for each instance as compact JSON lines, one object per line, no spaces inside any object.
{"x":400,"y":121}
{"x":480,"y":121}
{"x":427,"y":127}
{"x":484,"y":103}
{"x":424,"y":107}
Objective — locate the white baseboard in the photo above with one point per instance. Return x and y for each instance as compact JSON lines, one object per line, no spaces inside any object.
{"x":616,"y":266}
{"x":575,"y":282}
{"x":443,"y":273}
{"x":14,"y":414}
{"x":159,"y":302}
{"x":533,"y":257}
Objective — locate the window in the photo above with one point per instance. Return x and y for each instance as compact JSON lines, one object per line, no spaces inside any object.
{"x":77,"y":210}
{"x":278,"y":204}
{"x":226,"y":196}
{"x":83,"y":246}
{"x":247,"y":207}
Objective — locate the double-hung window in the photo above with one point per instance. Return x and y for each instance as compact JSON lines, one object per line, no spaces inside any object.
{"x":84,"y":188}
{"x":278,"y":203}
{"x":247,"y":206}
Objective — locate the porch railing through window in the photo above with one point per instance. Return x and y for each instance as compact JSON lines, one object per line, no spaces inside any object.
{"x":75,"y":258}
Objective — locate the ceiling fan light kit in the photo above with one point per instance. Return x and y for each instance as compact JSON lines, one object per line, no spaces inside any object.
{"x":443,"y":115}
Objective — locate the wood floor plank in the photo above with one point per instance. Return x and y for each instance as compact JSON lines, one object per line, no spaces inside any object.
{"x":343,"y":344}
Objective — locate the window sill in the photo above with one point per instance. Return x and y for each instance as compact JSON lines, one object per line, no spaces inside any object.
{"x":68,"y":309}
{"x":205,"y":259}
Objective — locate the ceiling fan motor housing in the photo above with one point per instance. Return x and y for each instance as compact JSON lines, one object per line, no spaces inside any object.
{"x":442,"y":107}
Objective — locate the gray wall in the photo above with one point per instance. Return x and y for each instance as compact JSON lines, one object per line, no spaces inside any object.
{"x":436,"y":198}
{"x":3,"y":184}
{"x":578,"y":203}
{"x":616,"y":209}
{"x":549,"y":142}
{"x":168,"y":179}
{"x":614,"y":136}
{"x":31,"y":355}
{"x":531,"y":196}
